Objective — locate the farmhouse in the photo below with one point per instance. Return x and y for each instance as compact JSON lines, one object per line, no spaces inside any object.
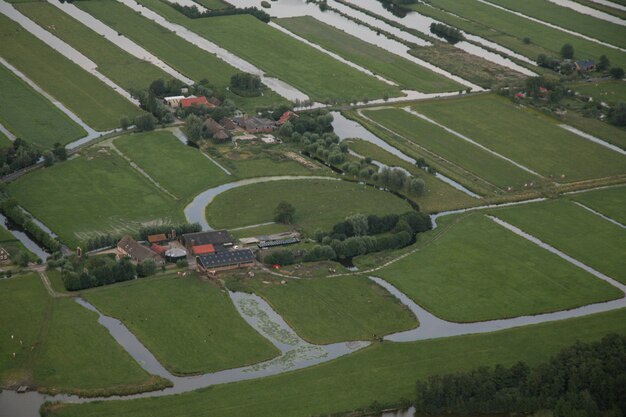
{"x":228,"y":124}
{"x":235,"y":259}
{"x":130,"y":248}
{"x":256,"y":124}
{"x":195,"y":101}
{"x":221,"y":240}
{"x":585,"y":65}
{"x":215,"y":129}
{"x":288,"y":115}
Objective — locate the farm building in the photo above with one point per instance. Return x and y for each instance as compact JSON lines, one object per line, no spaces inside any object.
{"x":173,"y":101}
{"x":235,"y":259}
{"x":4,"y":255}
{"x":215,"y":101}
{"x":220,"y":239}
{"x":228,"y":124}
{"x":130,"y":248}
{"x":281,"y":242}
{"x":202,"y":249}
{"x":160,"y":238}
{"x":288,"y":115}
{"x":175,"y":254}
{"x":216,"y":130}
{"x":585,"y":65}
{"x":256,"y":124}
{"x":195,"y":101}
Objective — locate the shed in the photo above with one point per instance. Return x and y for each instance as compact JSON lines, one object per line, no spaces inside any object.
{"x":157,"y":238}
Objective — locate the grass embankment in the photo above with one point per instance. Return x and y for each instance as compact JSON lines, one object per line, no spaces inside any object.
{"x":457,"y":151}
{"x":98,"y":192}
{"x":60,"y":347}
{"x":405,"y":73}
{"x":92,"y":100}
{"x":438,"y":196}
{"x":181,"y":55}
{"x":577,"y":232}
{"x":124,"y":69}
{"x":330,"y":310}
{"x":4,"y":141}
{"x":385,"y":372}
{"x":319,"y":204}
{"x":567,"y":18}
{"x":476,"y":270}
{"x":182,"y":170}
{"x":609,"y":202}
{"x":311,"y":71}
{"x":189,"y":325}
{"x":503,"y":22}
{"x":525,"y":136}
{"x":32,"y":117}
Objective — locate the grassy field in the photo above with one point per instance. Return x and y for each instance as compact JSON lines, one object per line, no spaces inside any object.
{"x":279,"y":55}
{"x":526,"y":136}
{"x":62,"y":348}
{"x":405,"y":73}
{"x":319,"y":204}
{"x":476,"y":270}
{"x":575,"y":231}
{"x":459,"y":152}
{"x":568,"y":19}
{"x":439,"y":196}
{"x":385,"y":372}
{"x":182,"y":170}
{"x":98,"y":192}
{"x":330,"y":310}
{"x":124,"y":69}
{"x":181,"y":55}
{"x":607,"y":91}
{"x":31,"y":116}
{"x":609,"y":202}
{"x":598,"y":128}
{"x":92,"y":100}
{"x":189,"y":325}
{"x":12,"y":245}
{"x":501,"y":21}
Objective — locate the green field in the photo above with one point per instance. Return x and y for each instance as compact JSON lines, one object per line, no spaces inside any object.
{"x":124,"y":69}
{"x":597,"y":128}
{"x":453,"y":149}
{"x":330,"y":310}
{"x":607,"y":91}
{"x":605,"y":8}
{"x":610,"y":202}
{"x":189,"y":325}
{"x":525,"y":136}
{"x":476,"y":270}
{"x":385,"y":372}
{"x":582,"y":235}
{"x":181,"y":55}
{"x":182,"y":170}
{"x":405,"y":73}
{"x":567,"y":18}
{"x":98,"y":192}
{"x":501,"y":21}
{"x":279,"y":55}
{"x":92,"y":100}
{"x":439,"y":196}
{"x":32,"y":117}
{"x":12,"y":245}
{"x":62,"y":348}
{"x":319,"y":204}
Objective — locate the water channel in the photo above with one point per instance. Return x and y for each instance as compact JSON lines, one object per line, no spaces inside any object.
{"x":28,"y":243}
{"x":589,"y":11}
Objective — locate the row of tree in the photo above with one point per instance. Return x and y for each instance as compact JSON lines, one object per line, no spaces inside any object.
{"x":585,"y":380}
{"x":11,"y":210}
{"x":449,"y":33}
{"x":193,"y":12}
{"x":20,"y":154}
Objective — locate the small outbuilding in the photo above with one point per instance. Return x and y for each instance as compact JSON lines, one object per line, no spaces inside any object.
{"x":4,"y":255}
{"x":175,"y":254}
{"x":160,"y":238}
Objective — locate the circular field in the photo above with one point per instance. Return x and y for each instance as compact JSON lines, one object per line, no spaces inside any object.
{"x":319,"y":203}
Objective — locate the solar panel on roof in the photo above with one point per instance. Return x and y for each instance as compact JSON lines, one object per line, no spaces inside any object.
{"x":281,"y":242}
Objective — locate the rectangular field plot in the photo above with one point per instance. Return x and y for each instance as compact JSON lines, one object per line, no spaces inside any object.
{"x":579,"y":233}
{"x":189,"y":325}
{"x":525,"y":136}
{"x":610,"y":202}
{"x":182,"y":170}
{"x":30,"y":116}
{"x":92,"y":100}
{"x":477,"y":270}
{"x":95,"y":193}
{"x":124,"y":69}
{"x":606,"y":91}
{"x":491,"y":168}
{"x":391,"y":66}
{"x":330,"y":310}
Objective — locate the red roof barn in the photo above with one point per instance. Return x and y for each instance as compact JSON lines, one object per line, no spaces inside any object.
{"x":202,"y":249}
{"x":288,"y":115}
{"x":195,"y":101}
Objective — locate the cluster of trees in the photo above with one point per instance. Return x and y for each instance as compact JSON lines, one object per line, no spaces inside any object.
{"x":568,"y":67}
{"x":193,"y":12}
{"x":12,"y":211}
{"x":325,"y":147}
{"x":57,"y":153}
{"x":180,"y":229}
{"x":246,"y":85}
{"x":20,"y":155}
{"x":102,"y":241}
{"x":285,"y":213}
{"x":80,"y":273}
{"x":394,"y":179}
{"x":449,"y":33}
{"x":585,"y":380}
{"x":319,"y":122}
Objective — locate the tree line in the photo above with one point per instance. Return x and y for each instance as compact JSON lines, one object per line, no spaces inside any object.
{"x":11,"y":210}
{"x":584,"y":380}
{"x":449,"y":33}
{"x":193,"y":12}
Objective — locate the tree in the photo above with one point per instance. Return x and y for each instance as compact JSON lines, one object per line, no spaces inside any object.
{"x":59,"y":151}
{"x":567,"y":51}
{"x":359,"y":224}
{"x":193,"y":128}
{"x":145,"y":122}
{"x":417,"y":186}
{"x":284,"y":213}
{"x":124,"y":122}
{"x":526,"y":40}
{"x":617,"y":115}
{"x":603,"y":63}
{"x":146,"y":268}
{"x":48,"y":158}
{"x":617,"y":73}
{"x":23,"y":259}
